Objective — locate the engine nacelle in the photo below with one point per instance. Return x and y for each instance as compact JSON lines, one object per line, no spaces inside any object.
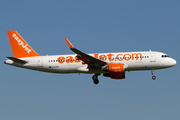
{"x":115,"y":71}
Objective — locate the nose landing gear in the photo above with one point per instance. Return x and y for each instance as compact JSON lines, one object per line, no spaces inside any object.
{"x":153,"y":77}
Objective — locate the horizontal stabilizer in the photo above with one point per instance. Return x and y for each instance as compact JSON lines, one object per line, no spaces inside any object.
{"x":17,"y":60}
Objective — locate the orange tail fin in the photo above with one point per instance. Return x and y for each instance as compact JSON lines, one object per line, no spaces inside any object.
{"x":19,"y":46}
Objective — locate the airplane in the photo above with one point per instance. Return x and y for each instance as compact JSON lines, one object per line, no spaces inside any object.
{"x":113,"y":65}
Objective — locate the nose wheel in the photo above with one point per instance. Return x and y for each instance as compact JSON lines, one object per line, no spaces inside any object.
{"x":95,"y":78}
{"x":153,"y":77}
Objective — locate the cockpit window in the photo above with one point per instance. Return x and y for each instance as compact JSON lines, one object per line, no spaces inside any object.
{"x":164,"y":56}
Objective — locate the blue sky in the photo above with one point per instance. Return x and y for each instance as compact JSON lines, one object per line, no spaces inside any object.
{"x":92,"y":26}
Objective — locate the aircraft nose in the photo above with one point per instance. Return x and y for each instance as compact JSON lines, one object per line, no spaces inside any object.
{"x":173,"y":62}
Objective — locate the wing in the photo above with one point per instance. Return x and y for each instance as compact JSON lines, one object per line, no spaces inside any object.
{"x":87,"y":59}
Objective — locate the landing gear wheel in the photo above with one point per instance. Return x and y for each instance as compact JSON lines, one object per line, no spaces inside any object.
{"x":95,"y":79}
{"x":153,"y":77}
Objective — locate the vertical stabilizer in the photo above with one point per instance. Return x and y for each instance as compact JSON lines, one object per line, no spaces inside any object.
{"x":19,"y":46}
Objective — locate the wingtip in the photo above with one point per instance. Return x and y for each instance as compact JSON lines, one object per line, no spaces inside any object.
{"x":69,"y":44}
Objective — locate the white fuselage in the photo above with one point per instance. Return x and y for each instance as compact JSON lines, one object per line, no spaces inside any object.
{"x":146,"y":60}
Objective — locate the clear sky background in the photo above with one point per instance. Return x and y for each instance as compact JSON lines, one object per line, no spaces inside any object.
{"x":92,"y":26}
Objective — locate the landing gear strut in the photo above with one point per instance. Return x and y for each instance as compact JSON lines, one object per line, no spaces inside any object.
{"x":95,"y":78}
{"x":153,"y":77}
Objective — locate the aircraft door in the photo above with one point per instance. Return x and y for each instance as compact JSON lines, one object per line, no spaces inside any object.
{"x":152,"y":56}
{"x":40,"y":61}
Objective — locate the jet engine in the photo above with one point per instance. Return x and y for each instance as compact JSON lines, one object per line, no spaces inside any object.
{"x":115,"y":71}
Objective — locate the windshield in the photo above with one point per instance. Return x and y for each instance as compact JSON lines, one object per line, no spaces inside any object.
{"x":164,"y":56}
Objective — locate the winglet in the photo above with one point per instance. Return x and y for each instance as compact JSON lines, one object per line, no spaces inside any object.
{"x":69,"y":44}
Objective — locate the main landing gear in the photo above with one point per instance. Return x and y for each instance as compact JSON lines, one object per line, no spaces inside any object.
{"x":95,"y":78}
{"x":153,"y":77}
